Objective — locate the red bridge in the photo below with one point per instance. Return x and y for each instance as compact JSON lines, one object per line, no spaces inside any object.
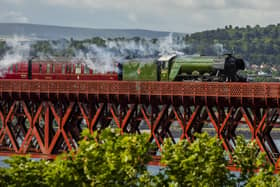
{"x":44,"y":118}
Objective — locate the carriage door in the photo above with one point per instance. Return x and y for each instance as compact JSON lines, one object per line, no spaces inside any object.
{"x":29,"y":69}
{"x":78,"y":70}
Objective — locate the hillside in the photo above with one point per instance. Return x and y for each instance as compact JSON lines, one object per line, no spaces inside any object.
{"x":58,"y":32}
{"x":256,"y":44}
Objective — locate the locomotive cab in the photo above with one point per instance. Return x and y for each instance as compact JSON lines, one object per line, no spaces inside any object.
{"x":164,"y":66}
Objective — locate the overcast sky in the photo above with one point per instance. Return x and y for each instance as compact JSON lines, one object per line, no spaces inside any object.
{"x":166,"y":15}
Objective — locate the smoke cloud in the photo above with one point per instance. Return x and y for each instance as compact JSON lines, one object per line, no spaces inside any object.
{"x":101,"y":59}
{"x":143,"y":48}
{"x":219,"y":49}
{"x":98,"y":59}
{"x":18,"y":51}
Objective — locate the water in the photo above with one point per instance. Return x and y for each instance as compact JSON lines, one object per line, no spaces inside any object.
{"x":154,"y":170}
{"x":2,"y":158}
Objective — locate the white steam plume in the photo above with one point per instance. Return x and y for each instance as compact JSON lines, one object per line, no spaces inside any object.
{"x":141,"y":47}
{"x":104,"y":60}
{"x":97,"y":59}
{"x":219,"y":49}
{"x":18,"y":51}
{"x":171,"y":45}
{"x":100,"y":59}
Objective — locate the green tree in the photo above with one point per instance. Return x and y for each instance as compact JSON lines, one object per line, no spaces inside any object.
{"x":108,"y":159}
{"x":44,"y":47}
{"x":118,"y":160}
{"x":23,"y":171}
{"x":256,"y":44}
{"x":66,"y":171}
{"x":255,"y":168}
{"x":265,"y":176}
{"x":100,"y":42}
{"x":201,"y":163}
{"x":112,"y":159}
{"x":3,"y":48}
{"x":245,"y":157}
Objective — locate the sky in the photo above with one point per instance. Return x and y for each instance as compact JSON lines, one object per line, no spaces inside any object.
{"x":186,"y":16}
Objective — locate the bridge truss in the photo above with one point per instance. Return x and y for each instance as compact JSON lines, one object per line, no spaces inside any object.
{"x":44,"y":118}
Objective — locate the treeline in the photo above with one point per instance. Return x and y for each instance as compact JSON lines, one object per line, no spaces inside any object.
{"x":111,"y":159}
{"x":121,"y":48}
{"x":3,"y":48}
{"x":256,"y":44}
{"x":60,"y":48}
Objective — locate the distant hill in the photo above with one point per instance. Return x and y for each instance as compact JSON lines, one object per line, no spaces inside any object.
{"x":59,"y":32}
{"x":256,"y":44}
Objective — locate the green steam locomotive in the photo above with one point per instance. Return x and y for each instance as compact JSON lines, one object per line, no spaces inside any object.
{"x":185,"y":68}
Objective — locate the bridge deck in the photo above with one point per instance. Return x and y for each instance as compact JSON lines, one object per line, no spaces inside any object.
{"x":252,"y":90}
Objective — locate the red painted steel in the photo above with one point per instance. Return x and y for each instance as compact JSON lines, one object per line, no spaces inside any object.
{"x":54,"y":70}
{"x":45,"y":117}
{"x":229,"y":90}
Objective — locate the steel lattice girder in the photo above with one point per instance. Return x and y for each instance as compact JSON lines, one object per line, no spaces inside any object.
{"x":48,"y":127}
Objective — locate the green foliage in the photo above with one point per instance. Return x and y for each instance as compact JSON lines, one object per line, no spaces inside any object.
{"x":43,"y":47}
{"x":245,"y":157}
{"x":100,"y":42}
{"x":113,"y":160}
{"x":265,"y":79}
{"x":3,"y":47}
{"x":64,"y":48}
{"x":119,"y":160}
{"x":23,"y":172}
{"x":265,"y":176}
{"x":257,"y":44}
{"x":65,"y":171}
{"x":201,"y":163}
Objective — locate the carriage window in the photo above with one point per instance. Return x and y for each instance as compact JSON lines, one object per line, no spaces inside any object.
{"x":72,"y":68}
{"x":78,"y":68}
{"x":11,"y":69}
{"x":163,"y":65}
{"x":16,"y":68}
{"x":48,"y":68}
{"x":94,"y":71}
{"x":68,"y":68}
{"x":53,"y":68}
{"x":63,"y":69}
{"x":40,"y":68}
{"x":86,"y":70}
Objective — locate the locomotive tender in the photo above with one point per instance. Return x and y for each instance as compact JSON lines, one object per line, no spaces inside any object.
{"x":166,"y":68}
